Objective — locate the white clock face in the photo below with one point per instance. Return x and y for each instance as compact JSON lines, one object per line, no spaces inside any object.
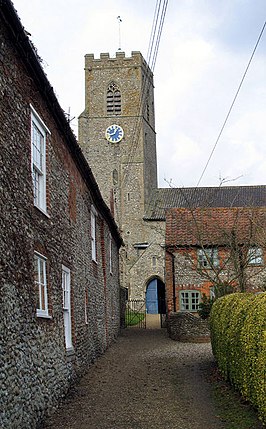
{"x":114,"y":133}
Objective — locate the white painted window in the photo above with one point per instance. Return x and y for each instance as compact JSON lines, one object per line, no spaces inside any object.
{"x":38,"y":159}
{"x":208,"y":257}
{"x":255,"y":256}
{"x":212,"y":292}
{"x":67,"y":306}
{"x":189,"y":300}
{"x":93,"y":234}
{"x":40,"y":278}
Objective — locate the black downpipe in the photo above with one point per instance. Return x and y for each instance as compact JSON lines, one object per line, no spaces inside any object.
{"x":173,"y":270}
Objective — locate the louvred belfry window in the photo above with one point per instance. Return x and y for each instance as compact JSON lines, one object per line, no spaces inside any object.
{"x":113,"y":99}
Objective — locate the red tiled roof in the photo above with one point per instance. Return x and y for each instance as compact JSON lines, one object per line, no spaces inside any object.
{"x":215,"y":226}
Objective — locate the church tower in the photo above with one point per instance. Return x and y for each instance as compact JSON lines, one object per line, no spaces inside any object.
{"x":119,"y":91}
{"x":117,"y":135}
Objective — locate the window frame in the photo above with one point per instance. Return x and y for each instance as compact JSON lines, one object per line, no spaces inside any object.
{"x":39,"y":133}
{"x":208,"y":257}
{"x":189,"y":297}
{"x":42,"y":295}
{"x":66,"y":304}
{"x":257,"y":257}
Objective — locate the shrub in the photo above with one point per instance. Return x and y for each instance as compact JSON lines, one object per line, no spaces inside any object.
{"x":238,"y":336}
{"x":221,"y":289}
{"x":205,"y":307}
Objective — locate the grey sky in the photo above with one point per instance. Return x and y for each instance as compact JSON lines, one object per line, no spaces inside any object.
{"x":204,"y":50}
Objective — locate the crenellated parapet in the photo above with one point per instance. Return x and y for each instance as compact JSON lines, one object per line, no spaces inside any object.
{"x":120,"y":60}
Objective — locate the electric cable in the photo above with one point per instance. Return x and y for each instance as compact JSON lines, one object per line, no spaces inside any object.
{"x":152,"y":56}
{"x":232,"y":105}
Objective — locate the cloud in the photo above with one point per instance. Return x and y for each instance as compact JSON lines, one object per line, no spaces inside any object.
{"x":204,"y":49}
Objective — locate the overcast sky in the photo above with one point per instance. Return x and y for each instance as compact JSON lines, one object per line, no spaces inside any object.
{"x":204,"y":50}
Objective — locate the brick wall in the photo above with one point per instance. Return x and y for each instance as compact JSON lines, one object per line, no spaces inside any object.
{"x":37,"y":369}
{"x":189,"y":230}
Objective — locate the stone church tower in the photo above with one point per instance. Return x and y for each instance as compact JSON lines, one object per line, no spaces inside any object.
{"x":117,"y":135}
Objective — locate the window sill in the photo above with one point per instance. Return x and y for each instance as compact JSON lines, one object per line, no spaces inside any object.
{"x":70,"y":354}
{"x":201,"y":267}
{"x":43,"y":316}
{"x":255,"y":265}
{"x":42,"y":211}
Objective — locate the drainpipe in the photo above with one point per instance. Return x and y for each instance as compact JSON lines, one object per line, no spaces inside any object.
{"x":173,"y":277}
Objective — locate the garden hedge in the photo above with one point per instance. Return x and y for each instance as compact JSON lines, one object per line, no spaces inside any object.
{"x":238,"y":337}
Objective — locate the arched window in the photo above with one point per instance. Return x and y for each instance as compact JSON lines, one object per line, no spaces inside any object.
{"x":113,"y":99}
{"x":115,"y":177}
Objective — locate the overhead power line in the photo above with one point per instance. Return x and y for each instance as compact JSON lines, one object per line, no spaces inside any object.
{"x":156,"y":32}
{"x":232,"y":105}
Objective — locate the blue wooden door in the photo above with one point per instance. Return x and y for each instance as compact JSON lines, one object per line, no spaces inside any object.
{"x":152,"y":297}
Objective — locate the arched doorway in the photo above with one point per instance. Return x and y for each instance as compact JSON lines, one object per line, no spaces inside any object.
{"x":155,"y":297}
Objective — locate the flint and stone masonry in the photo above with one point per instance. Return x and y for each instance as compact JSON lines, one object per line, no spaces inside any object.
{"x":43,"y":354}
{"x":127,"y":170}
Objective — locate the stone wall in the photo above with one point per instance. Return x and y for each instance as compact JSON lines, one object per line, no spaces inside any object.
{"x":126,"y":170}
{"x":186,"y":327}
{"x":37,"y":369}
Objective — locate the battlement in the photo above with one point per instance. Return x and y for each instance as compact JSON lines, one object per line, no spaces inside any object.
{"x":105,"y":61}
{"x":118,"y":55}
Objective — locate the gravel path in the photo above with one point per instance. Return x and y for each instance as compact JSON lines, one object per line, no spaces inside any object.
{"x":145,"y":380}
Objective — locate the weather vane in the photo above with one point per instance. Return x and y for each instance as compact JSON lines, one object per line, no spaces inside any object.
{"x":119,"y":32}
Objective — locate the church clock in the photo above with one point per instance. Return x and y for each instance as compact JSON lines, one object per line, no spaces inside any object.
{"x":114,"y":133}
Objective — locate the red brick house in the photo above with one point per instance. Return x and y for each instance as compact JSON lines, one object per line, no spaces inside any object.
{"x":59,"y":289}
{"x":213,"y":246}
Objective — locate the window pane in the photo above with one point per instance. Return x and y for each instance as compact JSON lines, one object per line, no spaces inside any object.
{"x":37,"y":291}
{"x":40,"y":284}
{"x":255,"y":256}
{"x":42,"y":268}
{"x":65,"y":287}
{"x":43,"y":291}
{"x":36,"y":186}
{"x":189,"y":300}
{"x":208,"y":257}
{"x":36,"y":269}
{"x":38,"y":147}
{"x":38,"y":162}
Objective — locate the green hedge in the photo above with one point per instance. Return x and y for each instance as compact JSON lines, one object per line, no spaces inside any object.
{"x":238,"y":336}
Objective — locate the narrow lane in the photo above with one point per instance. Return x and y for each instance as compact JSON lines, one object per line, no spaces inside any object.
{"x":145,"y":380}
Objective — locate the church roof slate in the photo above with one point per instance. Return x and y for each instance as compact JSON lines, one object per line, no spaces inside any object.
{"x":204,"y":197}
